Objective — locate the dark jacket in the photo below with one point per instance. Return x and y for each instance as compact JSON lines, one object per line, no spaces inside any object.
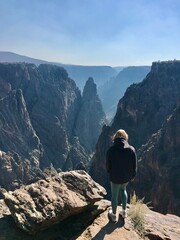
{"x":121,"y":161}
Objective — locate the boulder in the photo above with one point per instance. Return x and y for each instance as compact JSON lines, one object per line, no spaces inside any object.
{"x":39,"y":205}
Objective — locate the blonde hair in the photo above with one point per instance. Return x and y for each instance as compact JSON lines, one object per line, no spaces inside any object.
{"x":120,"y":133}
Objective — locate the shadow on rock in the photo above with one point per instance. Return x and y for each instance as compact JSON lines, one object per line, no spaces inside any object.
{"x":109,"y":228}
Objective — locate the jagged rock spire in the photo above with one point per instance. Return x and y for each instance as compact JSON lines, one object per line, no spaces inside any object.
{"x":90,"y":90}
{"x":91,"y":116}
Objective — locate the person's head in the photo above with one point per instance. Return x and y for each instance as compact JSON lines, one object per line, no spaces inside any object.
{"x":120,"y":134}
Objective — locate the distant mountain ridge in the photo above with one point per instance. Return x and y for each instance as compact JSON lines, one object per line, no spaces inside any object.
{"x":111,"y":82}
{"x":79,"y":73}
{"x":14,"y":58}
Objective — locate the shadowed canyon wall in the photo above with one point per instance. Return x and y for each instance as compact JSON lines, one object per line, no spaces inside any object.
{"x":52,"y":103}
{"x":142,"y":111}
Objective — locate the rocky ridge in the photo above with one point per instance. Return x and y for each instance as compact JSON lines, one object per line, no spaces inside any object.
{"x":77,"y":72}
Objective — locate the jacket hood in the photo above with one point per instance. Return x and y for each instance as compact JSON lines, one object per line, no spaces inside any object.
{"x":120,"y":143}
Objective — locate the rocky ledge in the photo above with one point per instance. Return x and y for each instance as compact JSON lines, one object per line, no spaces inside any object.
{"x":94,"y":224}
{"x":157,"y":227}
{"x":39,"y":205}
{"x":70,"y":206}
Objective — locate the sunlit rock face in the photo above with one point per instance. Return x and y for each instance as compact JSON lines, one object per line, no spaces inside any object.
{"x":142,"y":111}
{"x":49,"y":201}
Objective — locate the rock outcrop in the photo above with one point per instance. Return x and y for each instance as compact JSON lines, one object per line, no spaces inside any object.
{"x":141,"y":112}
{"x":91,"y":117}
{"x":157,"y":226}
{"x":49,"y":201}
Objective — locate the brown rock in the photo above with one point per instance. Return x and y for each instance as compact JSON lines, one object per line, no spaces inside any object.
{"x":94,"y":224}
{"x":46,"y":202}
{"x":157,"y":226}
{"x":103,"y":228}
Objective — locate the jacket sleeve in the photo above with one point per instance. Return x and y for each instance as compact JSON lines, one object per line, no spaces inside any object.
{"x":108,"y":162}
{"x":134,"y":163}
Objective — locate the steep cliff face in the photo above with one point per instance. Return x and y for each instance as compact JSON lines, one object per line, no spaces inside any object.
{"x":141,"y":112}
{"x":52,"y":101}
{"x":22,"y":151}
{"x":91,"y":117}
{"x":21,"y":76}
{"x":159,"y":167}
{"x":146,"y":105}
{"x":54,"y":107}
{"x":114,"y":89}
{"x":54,"y":112}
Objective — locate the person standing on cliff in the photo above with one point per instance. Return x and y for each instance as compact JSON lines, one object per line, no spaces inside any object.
{"x":121,"y":164}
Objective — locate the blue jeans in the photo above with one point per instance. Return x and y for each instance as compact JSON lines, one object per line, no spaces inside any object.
{"x":115,"y":190}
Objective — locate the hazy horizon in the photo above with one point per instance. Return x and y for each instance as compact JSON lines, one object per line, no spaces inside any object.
{"x":90,"y":32}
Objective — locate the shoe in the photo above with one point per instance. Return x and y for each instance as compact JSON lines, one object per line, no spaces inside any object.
{"x":123,"y":213}
{"x":112,"y":216}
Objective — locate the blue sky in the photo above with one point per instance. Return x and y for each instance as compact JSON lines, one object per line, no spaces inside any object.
{"x":92,"y":32}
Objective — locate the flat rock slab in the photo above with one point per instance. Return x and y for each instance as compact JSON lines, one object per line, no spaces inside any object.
{"x":49,"y":201}
{"x":104,"y":229}
{"x":162,"y":227}
{"x":157,"y":227}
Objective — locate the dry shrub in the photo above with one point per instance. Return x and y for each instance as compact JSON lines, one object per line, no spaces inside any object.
{"x":137,"y":212}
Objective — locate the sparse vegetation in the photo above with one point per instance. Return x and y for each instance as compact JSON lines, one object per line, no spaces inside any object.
{"x":137,"y":213}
